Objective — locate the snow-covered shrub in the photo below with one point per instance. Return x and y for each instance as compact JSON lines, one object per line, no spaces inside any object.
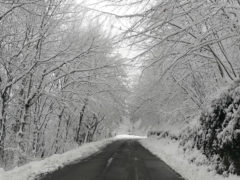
{"x":188,"y":137}
{"x":219,"y":135}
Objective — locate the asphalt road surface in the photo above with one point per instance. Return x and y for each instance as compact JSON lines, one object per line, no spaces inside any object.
{"x":121,"y":160}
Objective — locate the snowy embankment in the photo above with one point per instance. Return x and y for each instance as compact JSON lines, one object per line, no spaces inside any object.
{"x":35,"y":169}
{"x":171,"y":153}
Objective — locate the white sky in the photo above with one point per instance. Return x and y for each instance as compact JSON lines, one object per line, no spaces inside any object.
{"x":115,"y":26}
{"x":110,"y":23}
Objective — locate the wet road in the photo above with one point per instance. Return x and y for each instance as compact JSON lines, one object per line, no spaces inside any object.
{"x":121,"y":160}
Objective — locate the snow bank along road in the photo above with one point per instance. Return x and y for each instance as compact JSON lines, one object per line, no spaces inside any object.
{"x":120,"y":160}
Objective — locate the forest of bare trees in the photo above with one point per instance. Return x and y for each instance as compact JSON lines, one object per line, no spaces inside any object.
{"x":60,"y":83}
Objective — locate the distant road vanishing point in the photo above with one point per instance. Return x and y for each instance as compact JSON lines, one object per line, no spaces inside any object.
{"x":121,"y":160}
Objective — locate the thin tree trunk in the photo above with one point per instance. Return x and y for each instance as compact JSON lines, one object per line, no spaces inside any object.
{"x":58,"y":131}
{"x":2,"y":129}
{"x":3,"y":119}
{"x":21,"y":145}
{"x":78,"y":140}
{"x":86,"y":137}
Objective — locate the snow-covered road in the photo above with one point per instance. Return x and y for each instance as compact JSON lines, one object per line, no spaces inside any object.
{"x":121,"y":160}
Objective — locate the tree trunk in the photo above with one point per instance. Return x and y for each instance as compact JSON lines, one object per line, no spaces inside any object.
{"x":2,"y":130}
{"x":78,"y":139}
{"x":3,"y":118}
{"x":21,"y":145}
{"x":86,"y":137}
{"x":58,"y":131}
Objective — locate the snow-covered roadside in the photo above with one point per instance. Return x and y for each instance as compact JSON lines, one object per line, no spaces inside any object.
{"x":33,"y":169}
{"x":169,"y":152}
{"x":126,"y":136}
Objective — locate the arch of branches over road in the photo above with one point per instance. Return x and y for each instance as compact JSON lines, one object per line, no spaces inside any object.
{"x":187,"y":51}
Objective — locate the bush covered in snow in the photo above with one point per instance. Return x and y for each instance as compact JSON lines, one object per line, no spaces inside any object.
{"x":219,"y":135}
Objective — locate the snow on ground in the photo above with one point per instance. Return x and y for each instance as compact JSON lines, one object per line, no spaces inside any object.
{"x":170,"y":152}
{"x":127,"y":136}
{"x":34,"y":169}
